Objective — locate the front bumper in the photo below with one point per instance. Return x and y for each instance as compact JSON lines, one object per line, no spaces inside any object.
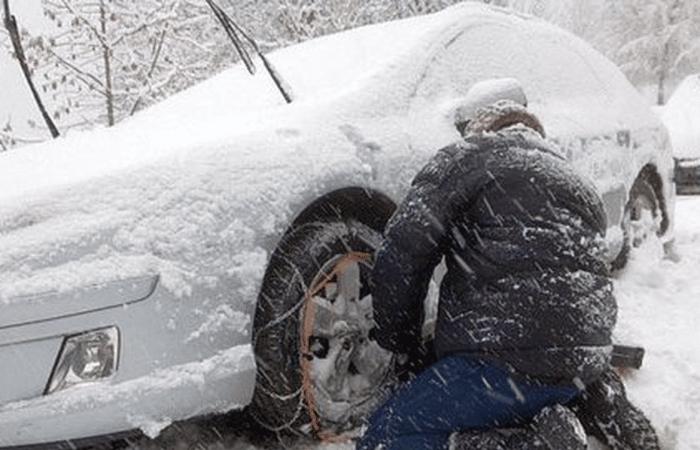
{"x":150,"y":403}
{"x":168,"y":371}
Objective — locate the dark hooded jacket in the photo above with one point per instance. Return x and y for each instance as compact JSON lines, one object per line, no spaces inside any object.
{"x":521,"y":233}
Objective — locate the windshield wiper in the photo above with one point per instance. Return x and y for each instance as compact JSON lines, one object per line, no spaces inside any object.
{"x":235,"y":32}
{"x":13,"y":30}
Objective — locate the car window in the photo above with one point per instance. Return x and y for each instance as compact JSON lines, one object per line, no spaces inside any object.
{"x":558,"y":70}
{"x":564,"y":83}
{"x":480,"y":52}
{"x":582,"y":99}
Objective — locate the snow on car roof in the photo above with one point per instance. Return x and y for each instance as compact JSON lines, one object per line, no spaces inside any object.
{"x":681,"y":115}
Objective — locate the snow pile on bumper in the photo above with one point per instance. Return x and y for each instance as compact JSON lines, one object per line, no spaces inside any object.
{"x":140,"y":403}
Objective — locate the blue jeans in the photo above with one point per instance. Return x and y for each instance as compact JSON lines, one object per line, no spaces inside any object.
{"x":459,"y":392}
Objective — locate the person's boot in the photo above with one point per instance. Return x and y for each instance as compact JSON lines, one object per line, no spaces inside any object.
{"x":478,"y":440}
{"x":554,"y":428}
{"x":607,"y":414}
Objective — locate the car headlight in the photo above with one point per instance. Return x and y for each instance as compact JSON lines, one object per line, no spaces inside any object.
{"x":85,"y":357}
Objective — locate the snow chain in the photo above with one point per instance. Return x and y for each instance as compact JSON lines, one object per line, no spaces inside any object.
{"x":309,"y":311}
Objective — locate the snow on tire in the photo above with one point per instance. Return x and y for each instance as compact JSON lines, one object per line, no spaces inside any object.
{"x":319,"y":370}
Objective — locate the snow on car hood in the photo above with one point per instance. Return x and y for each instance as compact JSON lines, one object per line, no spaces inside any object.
{"x":213,"y":113}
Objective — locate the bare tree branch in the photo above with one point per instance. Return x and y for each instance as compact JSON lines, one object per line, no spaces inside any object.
{"x":154,"y":62}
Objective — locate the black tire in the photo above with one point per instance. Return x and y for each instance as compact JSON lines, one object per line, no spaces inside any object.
{"x":278,"y":402}
{"x":642,"y":196}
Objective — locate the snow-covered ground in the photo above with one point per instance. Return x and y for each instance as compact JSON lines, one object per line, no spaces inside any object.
{"x":660,"y":309}
{"x":659,"y":306}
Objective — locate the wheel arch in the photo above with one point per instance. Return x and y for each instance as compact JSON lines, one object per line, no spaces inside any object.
{"x":369,"y":206}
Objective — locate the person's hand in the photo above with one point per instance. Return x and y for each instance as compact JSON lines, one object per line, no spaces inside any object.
{"x":418,"y":358}
{"x":402,"y":359}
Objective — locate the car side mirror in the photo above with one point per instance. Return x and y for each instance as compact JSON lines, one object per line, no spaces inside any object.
{"x":484,"y":93}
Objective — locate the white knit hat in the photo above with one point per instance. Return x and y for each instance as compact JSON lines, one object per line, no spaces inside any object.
{"x":500,"y":115}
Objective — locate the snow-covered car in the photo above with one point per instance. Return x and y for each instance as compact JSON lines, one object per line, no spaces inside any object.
{"x":213,"y":252}
{"x":681,"y":115}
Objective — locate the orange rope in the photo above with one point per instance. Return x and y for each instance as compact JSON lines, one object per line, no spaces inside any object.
{"x":309,"y":311}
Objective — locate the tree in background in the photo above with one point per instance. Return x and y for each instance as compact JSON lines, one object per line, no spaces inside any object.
{"x":416,"y":7}
{"x":658,"y":39}
{"x":585,"y":19}
{"x":298,"y":20}
{"x":106,"y":59}
{"x":9,"y":138}
{"x":653,"y":41}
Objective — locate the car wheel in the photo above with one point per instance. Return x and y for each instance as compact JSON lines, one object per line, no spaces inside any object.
{"x":319,"y":369}
{"x":641,"y":220}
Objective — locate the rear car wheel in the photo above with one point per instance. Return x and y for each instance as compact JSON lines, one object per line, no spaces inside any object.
{"x":319,"y":369}
{"x":641,"y":221}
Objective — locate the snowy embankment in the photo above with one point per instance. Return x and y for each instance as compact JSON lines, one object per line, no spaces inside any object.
{"x":659,"y":309}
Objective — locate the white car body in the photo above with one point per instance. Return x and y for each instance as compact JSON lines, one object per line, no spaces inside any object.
{"x":681,"y":115}
{"x":163,"y":225}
